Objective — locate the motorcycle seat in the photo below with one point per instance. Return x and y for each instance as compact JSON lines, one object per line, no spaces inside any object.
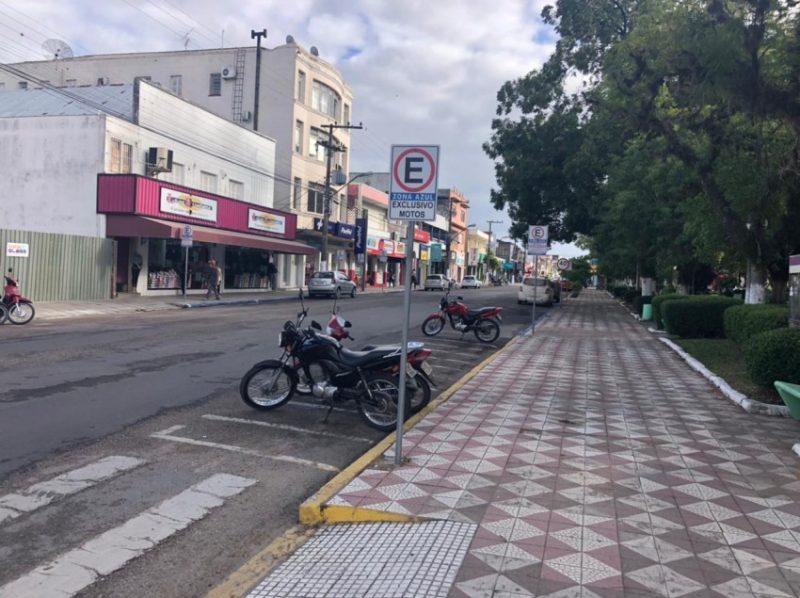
{"x":482,"y":310}
{"x":358,"y":358}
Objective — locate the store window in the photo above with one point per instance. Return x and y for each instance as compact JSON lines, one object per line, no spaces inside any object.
{"x":324,"y":99}
{"x":246,"y":268}
{"x":297,"y":193}
{"x":316,"y":198}
{"x":165,"y":263}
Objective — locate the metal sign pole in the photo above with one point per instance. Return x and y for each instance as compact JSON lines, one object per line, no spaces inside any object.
{"x":185,"y":270}
{"x":401,"y":405}
{"x":535,"y":284}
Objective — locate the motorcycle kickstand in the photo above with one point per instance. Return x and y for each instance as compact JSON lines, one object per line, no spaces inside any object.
{"x":328,"y":413}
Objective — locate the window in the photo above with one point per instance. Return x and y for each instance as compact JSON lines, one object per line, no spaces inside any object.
{"x":22,"y":85}
{"x":324,"y":99}
{"x":298,"y":191}
{"x":71,"y":82}
{"x":342,"y":208}
{"x":215,"y":84}
{"x":121,"y":157}
{"x":208,"y":181}
{"x":176,"y":84}
{"x":463,"y":215}
{"x":315,"y":150}
{"x":176,"y":176}
{"x":298,"y":136}
{"x":301,"y":87}
{"x":346,"y":118}
{"x":316,"y":198}
{"x":235,"y":189}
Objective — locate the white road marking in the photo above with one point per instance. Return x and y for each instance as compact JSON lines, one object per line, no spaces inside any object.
{"x":44,"y":493}
{"x":252,"y":422}
{"x":73,"y":571}
{"x":302,"y":403}
{"x":167,"y":435}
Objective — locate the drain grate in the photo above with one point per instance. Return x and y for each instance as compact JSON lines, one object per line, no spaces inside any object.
{"x":380,"y":560}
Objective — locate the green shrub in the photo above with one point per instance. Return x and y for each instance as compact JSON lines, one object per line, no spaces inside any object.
{"x":618,"y":291}
{"x":638,"y":301}
{"x":698,"y":316}
{"x":745,"y":321}
{"x":630,"y":294}
{"x":774,"y":355}
{"x":658,"y":301}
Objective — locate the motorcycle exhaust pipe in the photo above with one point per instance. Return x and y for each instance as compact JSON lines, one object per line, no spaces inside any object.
{"x":322,"y":390}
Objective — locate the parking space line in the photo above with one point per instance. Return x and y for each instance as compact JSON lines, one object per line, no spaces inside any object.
{"x":302,"y":403}
{"x":252,"y":422}
{"x":168,"y":435}
{"x":42,"y":494}
{"x":79,"y":568}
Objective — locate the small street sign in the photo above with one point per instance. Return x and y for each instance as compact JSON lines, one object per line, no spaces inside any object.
{"x":414,"y":180}
{"x":537,"y":240}
{"x":187,"y":236}
{"x":564,"y":264}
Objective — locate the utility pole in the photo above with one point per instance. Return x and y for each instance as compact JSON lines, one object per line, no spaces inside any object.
{"x":330,"y":147}
{"x":490,"y":223}
{"x":253,"y":35}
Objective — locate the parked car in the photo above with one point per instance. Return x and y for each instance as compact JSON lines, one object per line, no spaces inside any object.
{"x":471,"y":282}
{"x":437,"y":282}
{"x":545,"y":294}
{"x":331,"y":284}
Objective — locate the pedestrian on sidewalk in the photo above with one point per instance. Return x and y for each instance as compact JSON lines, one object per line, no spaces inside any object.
{"x":211,"y":278}
{"x":219,"y":278}
{"x":414,"y":281}
{"x":391,"y":280}
{"x":272,"y":274}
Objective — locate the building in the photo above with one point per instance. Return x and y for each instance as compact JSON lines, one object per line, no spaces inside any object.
{"x":115,"y":172}
{"x":455,"y":207}
{"x":513,"y":257}
{"x":477,"y":250}
{"x":300,"y":93}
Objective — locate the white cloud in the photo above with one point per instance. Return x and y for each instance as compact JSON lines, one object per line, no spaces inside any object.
{"x":422,"y":70}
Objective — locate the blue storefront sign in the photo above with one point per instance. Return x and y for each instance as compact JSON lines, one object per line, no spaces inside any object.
{"x":360,"y":236}
{"x":340,"y":229}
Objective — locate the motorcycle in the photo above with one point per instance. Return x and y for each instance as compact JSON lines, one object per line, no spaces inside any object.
{"x":483,"y":322}
{"x":341,"y":375}
{"x":18,"y":309}
{"x":339,"y":328}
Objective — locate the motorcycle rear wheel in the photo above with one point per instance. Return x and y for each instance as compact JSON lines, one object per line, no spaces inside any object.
{"x":423,"y":395}
{"x":380,"y":412}
{"x":21,"y":313}
{"x":267,"y":386}
{"x":487,"y":331}
{"x":433,"y":325}
{"x":3,"y":313}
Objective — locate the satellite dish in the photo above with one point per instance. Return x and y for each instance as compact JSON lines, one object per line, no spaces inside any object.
{"x":289,"y":39}
{"x":56,"y":48}
{"x":314,"y":51}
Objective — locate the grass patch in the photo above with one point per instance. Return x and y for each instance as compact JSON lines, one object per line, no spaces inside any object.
{"x":725,"y":359}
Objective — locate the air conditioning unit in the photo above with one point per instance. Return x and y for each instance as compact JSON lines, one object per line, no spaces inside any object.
{"x":247,"y":116}
{"x":229,"y":72}
{"x":159,"y":159}
{"x":101,"y":81}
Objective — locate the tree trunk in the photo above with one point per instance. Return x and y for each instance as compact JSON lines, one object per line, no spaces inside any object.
{"x":755,"y":291}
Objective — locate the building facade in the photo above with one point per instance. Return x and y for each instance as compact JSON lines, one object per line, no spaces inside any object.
{"x":300,"y":93}
{"x":477,"y":250}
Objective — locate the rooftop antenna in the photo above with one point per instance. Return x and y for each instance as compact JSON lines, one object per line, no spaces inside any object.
{"x":56,"y":48}
{"x":187,"y":39}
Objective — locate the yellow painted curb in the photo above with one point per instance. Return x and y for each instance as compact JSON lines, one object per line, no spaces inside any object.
{"x":244,"y":579}
{"x":314,"y":511}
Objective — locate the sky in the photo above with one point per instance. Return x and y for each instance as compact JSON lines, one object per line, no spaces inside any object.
{"x":421,"y":71}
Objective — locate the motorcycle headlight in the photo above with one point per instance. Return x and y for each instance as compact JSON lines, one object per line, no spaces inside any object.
{"x":281,"y":341}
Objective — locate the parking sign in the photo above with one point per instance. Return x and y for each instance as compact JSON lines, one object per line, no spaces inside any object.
{"x":537,"y":240}
{"x":414,"y":180}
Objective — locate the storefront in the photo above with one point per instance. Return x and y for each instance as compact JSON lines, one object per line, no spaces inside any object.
{"x":340,"y":246}
{"x":252,"y":245}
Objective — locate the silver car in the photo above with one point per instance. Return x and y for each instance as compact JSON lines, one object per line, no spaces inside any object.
{"x":436,"y":282}
{"x":330,"y":284}
{"x":471,"y":282}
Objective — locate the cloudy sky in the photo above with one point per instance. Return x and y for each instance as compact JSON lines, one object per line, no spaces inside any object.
{"x":422,"y":71}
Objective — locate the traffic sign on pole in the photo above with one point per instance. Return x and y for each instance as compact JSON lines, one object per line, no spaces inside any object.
{"x":563,"y":264}
{"x":537,"y":240}
{"x":413,"y":182}
{"x":187,"y":236}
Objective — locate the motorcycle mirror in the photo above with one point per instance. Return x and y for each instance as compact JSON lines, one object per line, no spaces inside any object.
{"x":347,"y":324}
{"x":460,"y":298}
{"x":315,"y":325}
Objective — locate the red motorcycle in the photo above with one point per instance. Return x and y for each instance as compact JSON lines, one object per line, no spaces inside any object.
{"x":18,"y":309}
{"x":483,"y":322}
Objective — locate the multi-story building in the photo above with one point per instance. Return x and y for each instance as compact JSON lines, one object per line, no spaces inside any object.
{"x":101,"y":181}
{"x":513,"y":258}
{"x":299,"y":95}
{"x":477,"y":250}
{"x":455,"y":207}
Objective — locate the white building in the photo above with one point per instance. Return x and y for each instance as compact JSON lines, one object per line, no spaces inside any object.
{"x":299,"y":93}
{"x":76,"y":164}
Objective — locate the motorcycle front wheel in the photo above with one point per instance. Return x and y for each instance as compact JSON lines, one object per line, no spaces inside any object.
{"x":380,"y":410}
{"x":3,"y":313}
{"x":21,"y":313}
{"x":487,"y":331}
{"x":267,"y":386}
{"x":433,"y":325}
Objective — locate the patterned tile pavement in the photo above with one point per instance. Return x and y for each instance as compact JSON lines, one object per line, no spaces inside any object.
{"x":595,"y":464}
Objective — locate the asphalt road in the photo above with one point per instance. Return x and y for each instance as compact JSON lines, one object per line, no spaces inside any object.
{"x":161,"y":388}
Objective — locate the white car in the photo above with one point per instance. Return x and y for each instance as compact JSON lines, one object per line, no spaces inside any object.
{"x":544,"y":291}
{"x":471,"y":282}
{"x":331,"y":284}
{"x":436,"y":282}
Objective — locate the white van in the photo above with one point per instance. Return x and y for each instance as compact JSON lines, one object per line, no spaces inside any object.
{"x":544,"y":291}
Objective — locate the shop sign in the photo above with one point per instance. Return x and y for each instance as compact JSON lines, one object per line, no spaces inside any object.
{"x":373,"y":244}
{"x":266,"y":221}
{"x":387,"y":247}
{"x":346,"y":231}
{"x":18,"y":250}
{"x":188,"y":205}
{"x":360,"y":245}
{"x":436,"y":252}
{"x":421,"y":236}
{"x":459,"y":260}
{"x":424,"y":252}
{"x":400,"y":249}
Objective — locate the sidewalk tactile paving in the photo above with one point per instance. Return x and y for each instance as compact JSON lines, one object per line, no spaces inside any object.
{"x":594,"y":463}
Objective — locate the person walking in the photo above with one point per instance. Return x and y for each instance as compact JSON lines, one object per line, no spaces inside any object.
{"x":211,"y":276}
{"x":272,"y":274}
{"x":220,"y":278}
{"x":414,"y":281}
{"x":391,"y":279}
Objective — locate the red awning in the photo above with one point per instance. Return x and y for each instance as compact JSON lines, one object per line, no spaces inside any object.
{"x":142,"y":226}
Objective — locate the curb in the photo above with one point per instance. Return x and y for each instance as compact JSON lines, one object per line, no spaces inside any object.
{"x":749,"y":405}
{"x":313,"y":511}
{"x":233,"y":303}
{"x":796,"y":449}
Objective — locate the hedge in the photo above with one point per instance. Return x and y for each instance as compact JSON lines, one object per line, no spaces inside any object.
{"x":696,"y":317}
{"x":658,"y":301}
{"x":630,"y":294}
{"x":774,"y":355}
{"x":618,"y":291}
{"x":745,"y":321}
{"x":638,"y":301}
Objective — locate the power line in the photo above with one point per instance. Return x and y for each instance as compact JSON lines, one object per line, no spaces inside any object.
{"x":191,"y":18}
{"x":179,"y":20}
{"x":60,"y":35}
{"x":182,"y":36}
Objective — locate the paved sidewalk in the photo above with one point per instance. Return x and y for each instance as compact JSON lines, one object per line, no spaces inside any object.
{"x":588,"y":461}
{"x":129,"y":304}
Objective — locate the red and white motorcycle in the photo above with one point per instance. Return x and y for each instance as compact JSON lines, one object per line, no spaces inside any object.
{"x":14,"y":307}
